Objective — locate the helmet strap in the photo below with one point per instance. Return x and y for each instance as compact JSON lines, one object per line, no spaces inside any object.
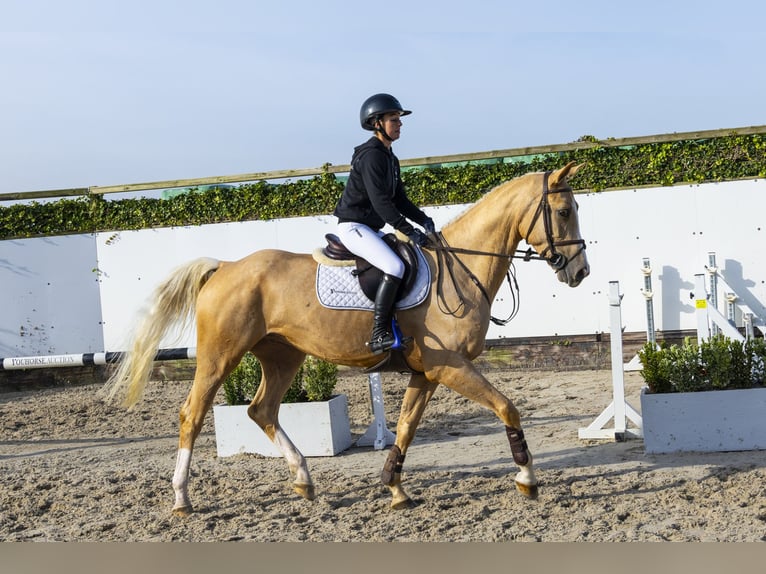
{"x":381,"y":130}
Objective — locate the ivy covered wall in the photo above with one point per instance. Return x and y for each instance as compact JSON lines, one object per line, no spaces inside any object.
{"x":666,"y":163}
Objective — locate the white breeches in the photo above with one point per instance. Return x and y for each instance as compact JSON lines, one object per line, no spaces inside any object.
{"x":366,"y":243}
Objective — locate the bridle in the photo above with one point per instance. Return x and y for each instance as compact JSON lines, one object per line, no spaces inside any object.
{"x":447,"y":255}
{"x":556,"y":260}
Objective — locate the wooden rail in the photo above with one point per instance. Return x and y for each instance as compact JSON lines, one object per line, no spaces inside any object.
{"x":422,"y":161}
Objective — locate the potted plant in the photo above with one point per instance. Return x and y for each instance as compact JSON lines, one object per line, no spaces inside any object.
{"x":314,"y":418}
{"x":704,"y":397}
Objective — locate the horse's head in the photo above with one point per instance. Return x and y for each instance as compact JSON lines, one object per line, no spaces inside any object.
{"x":554,"y":228}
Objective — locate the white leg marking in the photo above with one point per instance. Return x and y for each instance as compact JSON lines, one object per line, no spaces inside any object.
{"x":526,"y":474}
{"x":294,"y":458}
{"x":181,"y":478}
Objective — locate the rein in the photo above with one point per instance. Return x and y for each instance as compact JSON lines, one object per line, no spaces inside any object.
{"x":446,"y":255}
{"x":445,"y":261}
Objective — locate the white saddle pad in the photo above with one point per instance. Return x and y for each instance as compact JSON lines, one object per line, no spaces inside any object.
{"x":337,"y":288}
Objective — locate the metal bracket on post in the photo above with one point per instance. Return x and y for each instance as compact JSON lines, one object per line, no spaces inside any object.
{"x":731,"y":308}
{"x":651,"y":336}
{"x":618,"y":409}
{"x":377,"y":434}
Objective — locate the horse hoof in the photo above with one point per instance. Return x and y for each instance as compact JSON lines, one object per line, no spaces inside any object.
{"x":305,"y":490}
{"x":528,"y":490}
{"x":404,"y":504}
{"x":183,"y":511}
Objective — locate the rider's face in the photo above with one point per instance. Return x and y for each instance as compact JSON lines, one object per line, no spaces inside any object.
{"x":392,"y":124}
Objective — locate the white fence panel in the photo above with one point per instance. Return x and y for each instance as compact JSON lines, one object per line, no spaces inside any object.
{"x":50,"y":284}
{"x":49,"y":291}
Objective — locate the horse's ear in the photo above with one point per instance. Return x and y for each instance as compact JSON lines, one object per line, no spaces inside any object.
{"x":561,"y":175}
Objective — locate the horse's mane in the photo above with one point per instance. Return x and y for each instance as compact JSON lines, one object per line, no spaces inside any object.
{"x":494,"y":190}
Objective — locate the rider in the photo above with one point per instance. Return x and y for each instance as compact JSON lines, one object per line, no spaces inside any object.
{"x":374,"y":195}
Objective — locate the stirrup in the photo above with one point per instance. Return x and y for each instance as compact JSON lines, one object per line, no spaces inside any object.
{"x":399,"y":341}
{"x":382,"y":344}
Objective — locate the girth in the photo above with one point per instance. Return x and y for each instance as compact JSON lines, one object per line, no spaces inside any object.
{"x":370,"y":276}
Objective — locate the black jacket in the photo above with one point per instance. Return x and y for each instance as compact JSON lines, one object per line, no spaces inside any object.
{"x":374,"y":194}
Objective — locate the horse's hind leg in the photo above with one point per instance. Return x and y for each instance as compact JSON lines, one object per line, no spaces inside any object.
{"x":280,"y":363}
{"x":416,"y":397}
{"x":207,"y":379}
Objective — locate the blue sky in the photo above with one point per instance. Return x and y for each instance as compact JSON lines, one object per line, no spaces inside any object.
{"x":114,"y":92}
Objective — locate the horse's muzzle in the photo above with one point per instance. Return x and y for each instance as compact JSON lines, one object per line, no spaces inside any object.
{"x":573,"y":274}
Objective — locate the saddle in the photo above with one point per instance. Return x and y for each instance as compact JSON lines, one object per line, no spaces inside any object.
{"x":370,"y":276}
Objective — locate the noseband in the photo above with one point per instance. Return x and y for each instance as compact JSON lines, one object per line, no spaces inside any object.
{"x":556,"y":260}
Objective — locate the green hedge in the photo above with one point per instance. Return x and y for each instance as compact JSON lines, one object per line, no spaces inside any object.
{"x":718,"y":363}
{"x":716,"y":159}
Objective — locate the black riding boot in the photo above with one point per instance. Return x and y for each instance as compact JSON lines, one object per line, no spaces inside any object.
{"x":382,"y":339}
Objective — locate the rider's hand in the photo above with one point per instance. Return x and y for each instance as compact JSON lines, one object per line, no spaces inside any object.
{"x":429,"y":226}
{"x":419,"y":238}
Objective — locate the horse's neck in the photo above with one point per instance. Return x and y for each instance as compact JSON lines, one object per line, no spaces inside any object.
{"x":491,"y":225}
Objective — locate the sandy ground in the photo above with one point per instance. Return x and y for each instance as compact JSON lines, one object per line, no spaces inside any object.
{"x":77,"y":469}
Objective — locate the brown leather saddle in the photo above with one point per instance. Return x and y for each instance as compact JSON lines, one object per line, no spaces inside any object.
{"x":370,"y":276}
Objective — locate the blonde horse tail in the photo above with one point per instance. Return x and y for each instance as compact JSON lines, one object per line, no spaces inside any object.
{"x":172,"y":304}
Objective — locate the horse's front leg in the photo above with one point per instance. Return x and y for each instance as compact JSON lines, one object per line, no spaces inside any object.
{"x":526,"y":481}
{"x":416,"y":397}
{"x":462,"y":377}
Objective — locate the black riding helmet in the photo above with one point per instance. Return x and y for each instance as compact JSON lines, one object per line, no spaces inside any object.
{"x":375,"y":107}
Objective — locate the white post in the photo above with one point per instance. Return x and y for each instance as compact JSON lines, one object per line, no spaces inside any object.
{"x":747,"y":319}
{"x":618,"y":369}
{"x":712,"y":270}
{"x":377,"y":434}
{"x":618,"y":409}
{"x":701,"y":305}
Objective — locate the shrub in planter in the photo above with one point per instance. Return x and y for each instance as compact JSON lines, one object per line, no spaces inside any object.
{"x":317,"y":378}
{"x":316,"y":419}
{"x":315,"y":381}
{"x":240,"y":386}
{"x":706,"y":397}
{"x":718,"y":363}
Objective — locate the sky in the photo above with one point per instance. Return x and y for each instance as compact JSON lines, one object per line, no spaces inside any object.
{"x":106,"y":92}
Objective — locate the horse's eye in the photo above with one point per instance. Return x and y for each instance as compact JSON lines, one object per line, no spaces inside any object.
{"x":563,"y":213}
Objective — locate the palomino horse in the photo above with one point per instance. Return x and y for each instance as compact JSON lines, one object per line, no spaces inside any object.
{"x":266,"y":303}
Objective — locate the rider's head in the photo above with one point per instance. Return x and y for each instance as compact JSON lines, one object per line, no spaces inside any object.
{"x":374,"y":111}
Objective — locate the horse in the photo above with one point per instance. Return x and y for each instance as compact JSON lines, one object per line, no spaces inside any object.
{"x":266,"y":303}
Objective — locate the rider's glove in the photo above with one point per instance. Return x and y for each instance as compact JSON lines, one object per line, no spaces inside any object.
{"x":418,"y":238}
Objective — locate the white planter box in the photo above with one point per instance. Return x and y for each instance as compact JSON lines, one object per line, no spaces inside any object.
{"x":316,"y":428}
{"x":710,"y":421}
